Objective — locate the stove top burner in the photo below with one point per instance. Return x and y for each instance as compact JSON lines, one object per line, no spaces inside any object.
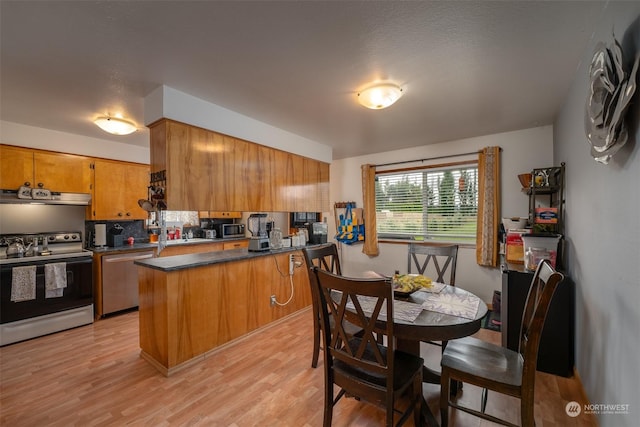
{"x":56,"y":245}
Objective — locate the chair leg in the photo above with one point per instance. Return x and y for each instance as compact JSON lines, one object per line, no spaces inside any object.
{"x":417,"y":395}
{"x":328,"y":405}
{"x":444,"y":398}
{"x":316,"y":342}
{"x":483,"y":404}
{"x":526,"y":413}
{"x":456,"y":386}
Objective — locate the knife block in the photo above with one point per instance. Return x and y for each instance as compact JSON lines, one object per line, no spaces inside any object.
{"x":115,"y":240}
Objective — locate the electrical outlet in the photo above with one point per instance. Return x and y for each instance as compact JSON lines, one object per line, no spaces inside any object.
{"x":273,"y":300}
{"x":291,"y":264}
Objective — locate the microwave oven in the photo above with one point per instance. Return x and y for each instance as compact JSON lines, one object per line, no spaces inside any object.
{"x":229,"y":230}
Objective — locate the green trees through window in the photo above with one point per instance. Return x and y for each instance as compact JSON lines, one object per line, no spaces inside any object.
{"x":428,"y":204}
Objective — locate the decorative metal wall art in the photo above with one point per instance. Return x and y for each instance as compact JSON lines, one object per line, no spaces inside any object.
{"x":610,"y":91}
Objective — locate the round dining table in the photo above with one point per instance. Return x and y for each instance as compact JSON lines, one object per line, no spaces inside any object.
{"x":435,"y":326}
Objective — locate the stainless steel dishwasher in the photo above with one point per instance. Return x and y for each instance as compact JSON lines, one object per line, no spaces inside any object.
{"x":120,"y":281}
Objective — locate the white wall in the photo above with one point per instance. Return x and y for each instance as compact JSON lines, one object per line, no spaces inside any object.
{"x":604,"y":235}
{"x":522,"y":151}
{"x":172,"y":104}
{"x":47,"y":139}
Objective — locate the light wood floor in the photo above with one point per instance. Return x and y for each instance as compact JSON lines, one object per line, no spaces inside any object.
{"x":93,"y":376}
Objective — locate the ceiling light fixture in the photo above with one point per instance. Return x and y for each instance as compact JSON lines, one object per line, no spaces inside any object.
{"x":115,"y":125}
{"x":380,"y":96}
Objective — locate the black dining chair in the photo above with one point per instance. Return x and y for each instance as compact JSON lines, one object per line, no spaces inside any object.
{"x":440,"y":260}
{"x":360,"y":366}
{"x":497,"y":368}
{"x":437,"y":262}
{"x":324,"y":257}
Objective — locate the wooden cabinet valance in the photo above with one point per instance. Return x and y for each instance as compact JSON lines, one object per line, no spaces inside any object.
{"x":206,"y":170}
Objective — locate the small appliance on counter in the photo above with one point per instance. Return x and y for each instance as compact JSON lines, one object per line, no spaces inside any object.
{"x":257,"y":224}
{"x":318,"y":232}
{"x":115,"y":237}
{"x":226,"y":228}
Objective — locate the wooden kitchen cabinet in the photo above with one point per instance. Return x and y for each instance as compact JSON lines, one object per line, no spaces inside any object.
{"x":236,"y":244}
{"x":65,"y":173}
{"x":224,"y":215}
{"x":117,"y":188}
{"x":205,"y":170}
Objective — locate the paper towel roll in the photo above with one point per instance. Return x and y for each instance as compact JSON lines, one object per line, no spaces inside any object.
{"x":101,"y":235}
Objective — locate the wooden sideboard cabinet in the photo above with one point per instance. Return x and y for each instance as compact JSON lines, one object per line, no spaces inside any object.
{"x":556,"y":352}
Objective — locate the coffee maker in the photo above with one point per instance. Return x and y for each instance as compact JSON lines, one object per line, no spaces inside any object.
{"x":317,"y":232}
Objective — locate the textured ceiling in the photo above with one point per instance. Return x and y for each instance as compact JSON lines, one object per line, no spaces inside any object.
{"x":467,"y":68}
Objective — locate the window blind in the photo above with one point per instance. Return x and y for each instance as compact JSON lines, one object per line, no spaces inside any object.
{"x":434,"y":203}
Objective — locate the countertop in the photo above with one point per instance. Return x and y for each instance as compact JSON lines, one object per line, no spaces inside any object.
{"x":147,"y":245}
{"x":181,"y":262}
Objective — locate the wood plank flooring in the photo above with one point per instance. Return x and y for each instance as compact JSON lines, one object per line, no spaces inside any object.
{"x":93,"y":376}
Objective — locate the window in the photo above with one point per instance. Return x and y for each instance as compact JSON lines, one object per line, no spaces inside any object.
{"x":435,"y":203}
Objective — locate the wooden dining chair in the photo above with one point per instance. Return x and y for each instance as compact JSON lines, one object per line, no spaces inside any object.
{"x":440,"y":260}
{"x":324,"y":257}
{"x":437,"y":262}
{"x":497,"y":368}
{"x":360,"y":366}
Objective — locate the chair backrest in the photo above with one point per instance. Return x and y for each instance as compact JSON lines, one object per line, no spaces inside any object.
{"x":362,"y":302}
{"x":544,"y":284}
{"x":325,"y":257}
{"x":443,"y":261}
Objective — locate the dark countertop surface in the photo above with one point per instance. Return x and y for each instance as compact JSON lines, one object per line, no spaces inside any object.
{"x":181,"y":262}
{"x":142,"y":245}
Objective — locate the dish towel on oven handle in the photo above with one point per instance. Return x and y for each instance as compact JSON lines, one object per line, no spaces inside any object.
{"x":23,"y":283}
{"x":55,"y":279}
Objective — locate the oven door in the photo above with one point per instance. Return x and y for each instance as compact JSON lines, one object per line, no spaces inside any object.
{"x":78,"y":293}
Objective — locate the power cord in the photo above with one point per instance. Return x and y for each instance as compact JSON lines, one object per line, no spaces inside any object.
{"x":296,"y":264}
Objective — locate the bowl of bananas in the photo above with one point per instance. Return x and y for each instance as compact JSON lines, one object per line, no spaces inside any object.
{"x":406,"y":284}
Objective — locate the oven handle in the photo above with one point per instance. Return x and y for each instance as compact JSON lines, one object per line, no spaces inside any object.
{"x":129,"y":258}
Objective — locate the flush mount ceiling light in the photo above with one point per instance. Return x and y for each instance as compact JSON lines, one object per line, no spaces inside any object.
{"x":380,"y":96}
{"x":115,"y":125}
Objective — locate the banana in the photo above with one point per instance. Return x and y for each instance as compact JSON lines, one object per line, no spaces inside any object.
{"x":410,"y":282}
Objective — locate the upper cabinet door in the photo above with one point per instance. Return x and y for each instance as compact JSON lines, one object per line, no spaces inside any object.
{"x":66,"y":173}
{"x":16,"y":167}
{"x":206,"y":170}
{"x":117,"y":188}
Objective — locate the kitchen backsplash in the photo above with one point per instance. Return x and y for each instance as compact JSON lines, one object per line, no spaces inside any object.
{"x":133,"y":229}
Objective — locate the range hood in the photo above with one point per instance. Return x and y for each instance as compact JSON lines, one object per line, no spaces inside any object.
{"x":78,"y":199}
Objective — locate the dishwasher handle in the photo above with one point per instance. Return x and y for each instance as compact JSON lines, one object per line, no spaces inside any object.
{"x":128,"y":258}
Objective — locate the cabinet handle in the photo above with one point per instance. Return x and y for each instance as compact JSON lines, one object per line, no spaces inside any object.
{"x":119,"y":213}
{"x":27,"y":184}
{"x":40,"y":185}
{"x":128,"y":213}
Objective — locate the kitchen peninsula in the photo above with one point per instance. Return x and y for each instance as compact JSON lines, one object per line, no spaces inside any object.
{"x":191,"y":304}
